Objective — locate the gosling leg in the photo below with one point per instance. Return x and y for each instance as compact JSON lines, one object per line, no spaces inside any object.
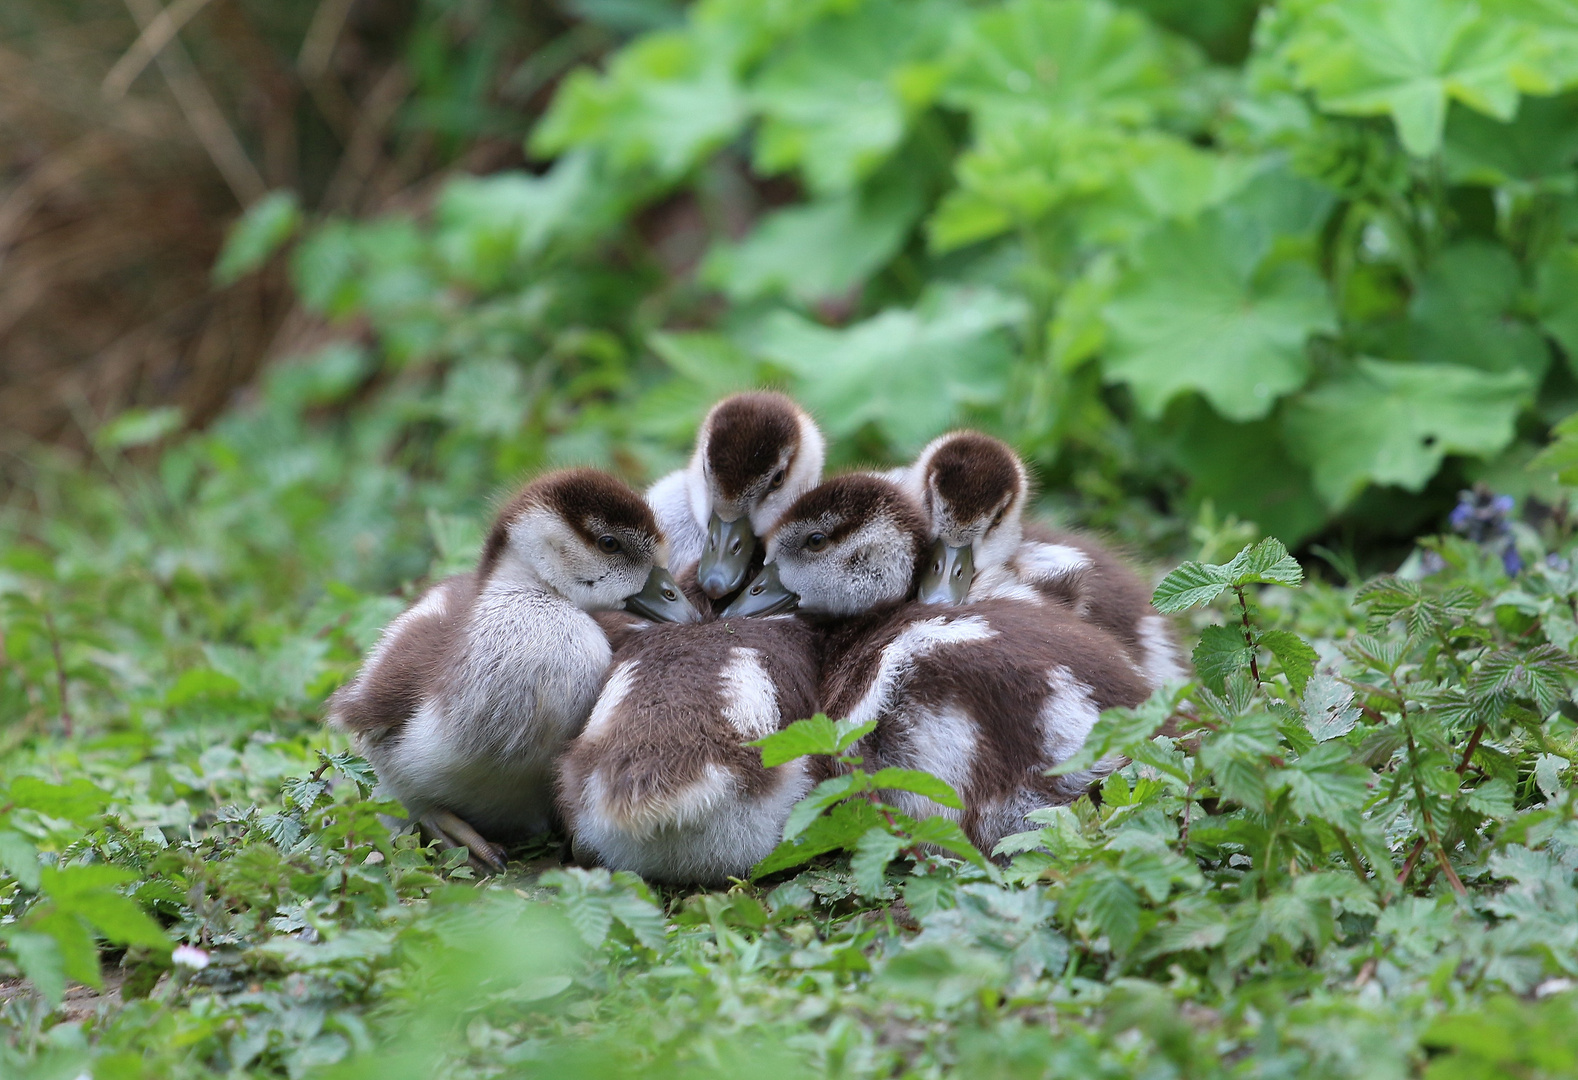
{"x":456,"y":832}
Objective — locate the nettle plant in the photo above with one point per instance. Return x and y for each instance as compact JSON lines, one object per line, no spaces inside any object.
{"x":1293,"y":798}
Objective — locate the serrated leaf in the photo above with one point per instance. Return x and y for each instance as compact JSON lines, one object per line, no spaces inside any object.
{"x":1266,"y":562}
{"x":921,"y":783}
{"x":1326,"y":785}
{"x":825,"y":794}
{"x":1216,"y":306}
{"x":1221,"y":652}
{"x":265,"y":227}
{"x":1329,"y":712}
{"x":1391,"y":423}
{"x":591,"y":914}
{"x":642,"y":918}
{"x":1295,"y":655}
{"x":875,"y":849}
{"x":818,"y":735}
{"x":948,"y":835}
{"x":1407,"y":59}
{"x":1191,"y":585}
{"x":1112,"y":904}
{"x":840,"y":827}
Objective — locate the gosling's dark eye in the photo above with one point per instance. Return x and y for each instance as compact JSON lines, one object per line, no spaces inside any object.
{"x":777,"y":482}
{"x":609,"y":544}
{"x":816,"y":541}
{"x":997,"y":519}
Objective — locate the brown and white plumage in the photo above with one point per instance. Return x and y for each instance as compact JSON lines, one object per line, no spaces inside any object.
{"x":973,"y":490}
{"x":469,"y":696}
{"x":987,"y":695}
{"x":659,"y":782}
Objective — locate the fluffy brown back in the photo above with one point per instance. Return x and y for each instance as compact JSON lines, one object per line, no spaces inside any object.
{"x":410,"y":658}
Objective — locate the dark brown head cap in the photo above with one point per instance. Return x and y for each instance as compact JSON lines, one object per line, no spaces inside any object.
{"x":591,"y":502}
{"x":749,"y":437}
{"x":845,"y":503}
{"x":973,"y":473}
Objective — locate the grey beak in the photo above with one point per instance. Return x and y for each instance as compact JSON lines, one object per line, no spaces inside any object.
{"x":764,"y":596}
{"x":949,"y":571}
{"x":662,"y":599}
{"x":726,"y":557}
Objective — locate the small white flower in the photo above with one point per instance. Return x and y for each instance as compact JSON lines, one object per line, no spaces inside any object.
{"x":189,"y":956}
{"x":1553,"y":986}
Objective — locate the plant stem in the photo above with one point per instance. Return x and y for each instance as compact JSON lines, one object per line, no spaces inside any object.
{"x":1408,"y":864}
{"x":1249,"y":636}
{"x":60,"y":672}
{"x":1468,"y":752}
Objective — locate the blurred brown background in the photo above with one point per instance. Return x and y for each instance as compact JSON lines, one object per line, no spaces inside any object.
{"x":133,"y":132}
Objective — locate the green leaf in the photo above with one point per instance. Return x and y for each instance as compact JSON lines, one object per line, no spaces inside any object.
{"x":1190,"y":585}
{"x":201,"y":684}
{"x":1265,"y":562}
{"x":839,"y":828}
{"x":1081,"y":58}
{"x":1326,"y":785}
{"x":921,"y":783}
{"x":1112,"y":904}
{"x":641,"y":917}
{"x":1556,"y":298}
{"x":139,"y":427}
{"x":819,"y":250}
{"x":832,"y":790}
{"x":1295,"y":655}
{"x":908,"y":373}
{"x":1538,"y":148}
{"x":40,"y":958}
{"x":869,"y":864}
{"x":1389,"y":423}
{"x":818,"y":735}
{"x":1466,"y":311}
{"x":267,"y":224}
{"x":1218,"y":306}
{"x":948,"y":835}
{"x":836,"y":103}
{"x":19,"y":859}
{"x":1329,"y":712}
{"x":666,"y":100}
{"x":1244,"y":470}
{"x":77,"y":800}
{"x":1221,"y":652}
{"x":1407,"y":59}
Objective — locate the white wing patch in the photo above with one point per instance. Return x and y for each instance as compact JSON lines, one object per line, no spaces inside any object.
{"x":615,"y":690}
{"x":1067,"y":715}
{"x":1159,"y":652}
{"x":750,"y":703}
{"x":899,"y":655}
{"x":1049,"y":562}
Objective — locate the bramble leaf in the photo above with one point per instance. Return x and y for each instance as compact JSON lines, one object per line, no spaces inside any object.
{"x":818,"y":735}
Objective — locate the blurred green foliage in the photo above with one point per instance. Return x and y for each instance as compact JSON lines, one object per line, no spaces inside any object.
{"x":1318,"y":271}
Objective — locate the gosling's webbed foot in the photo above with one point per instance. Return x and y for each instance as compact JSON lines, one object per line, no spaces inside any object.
{"x":453,"y":831}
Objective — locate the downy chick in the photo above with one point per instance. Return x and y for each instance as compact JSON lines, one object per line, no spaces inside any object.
{"x":973,"y":489}
{"x":659,"y":782}
{"x":469,"y":697}
{"x":755,"y":454}
{"x":986,"y":695}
